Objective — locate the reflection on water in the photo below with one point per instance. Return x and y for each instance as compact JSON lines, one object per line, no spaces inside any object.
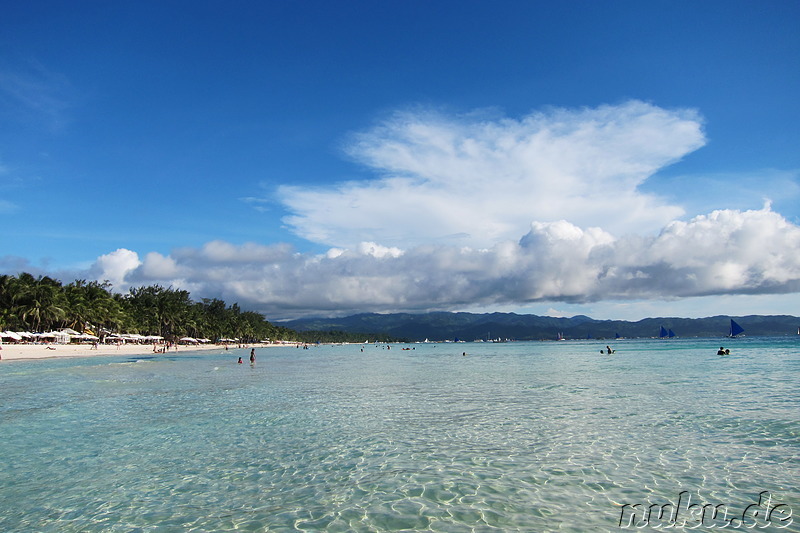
{"x":512,"y":437}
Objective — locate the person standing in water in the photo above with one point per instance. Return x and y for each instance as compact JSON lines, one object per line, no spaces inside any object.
{"x":252,"y":356}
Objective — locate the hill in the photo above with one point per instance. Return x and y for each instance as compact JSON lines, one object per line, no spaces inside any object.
{"x":472,"y":326}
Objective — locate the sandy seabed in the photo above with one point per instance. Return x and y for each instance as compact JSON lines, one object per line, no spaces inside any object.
{"x":10,"y":352}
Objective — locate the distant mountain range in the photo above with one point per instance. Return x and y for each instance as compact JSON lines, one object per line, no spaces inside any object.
{"x":442,"y":326}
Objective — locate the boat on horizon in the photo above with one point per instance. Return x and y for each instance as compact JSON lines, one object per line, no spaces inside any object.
{"x":736,"y":329}
{"x":666,"y":333}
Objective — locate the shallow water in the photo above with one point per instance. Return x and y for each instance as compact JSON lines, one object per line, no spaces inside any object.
{"x":534,"y":436}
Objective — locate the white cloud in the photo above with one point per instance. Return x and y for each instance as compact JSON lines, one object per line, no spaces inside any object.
{"x":157,"y":266}
{"x":440,"y":228}
{"x":376,"y":250}
{"x":725,"y":252}
{"x":116,"y":266}
{"x":477,"y":182}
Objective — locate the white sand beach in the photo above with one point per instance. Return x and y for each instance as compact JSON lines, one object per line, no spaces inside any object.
{"x":41,"y":351}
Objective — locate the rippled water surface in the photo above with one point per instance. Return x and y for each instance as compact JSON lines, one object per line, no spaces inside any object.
{"x":539,"y":436}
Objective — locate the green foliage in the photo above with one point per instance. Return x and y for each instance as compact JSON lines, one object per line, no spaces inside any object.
{"x":312,"y":337}
{"x":43,"y":304}
{"x":470,"y":326}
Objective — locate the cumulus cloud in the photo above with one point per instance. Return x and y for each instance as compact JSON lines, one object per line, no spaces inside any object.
{"x":115,"y":266}
{"x":157,"y":266}
{"x":473,"y":212}
{"x":476,"y":181}
{"x":727,"y":251}
{"x":724,"y":252}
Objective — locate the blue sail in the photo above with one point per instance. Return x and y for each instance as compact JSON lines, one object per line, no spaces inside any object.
{"x":663,"y":332}
{"x":736,"y":329}
{"x":671,"y":334}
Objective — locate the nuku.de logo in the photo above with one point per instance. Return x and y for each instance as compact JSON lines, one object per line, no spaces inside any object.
{"x":685,"y":514}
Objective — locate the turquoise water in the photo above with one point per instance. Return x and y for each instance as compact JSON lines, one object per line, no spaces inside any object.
{"x":534,"y":436}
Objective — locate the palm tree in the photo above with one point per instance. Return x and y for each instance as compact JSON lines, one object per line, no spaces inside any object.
{"x":39,"y":301}
{"x":78,"y":307}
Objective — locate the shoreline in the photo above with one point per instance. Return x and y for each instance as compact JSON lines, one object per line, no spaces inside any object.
{"x":17,"y":352}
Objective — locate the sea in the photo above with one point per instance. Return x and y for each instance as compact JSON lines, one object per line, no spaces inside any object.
{"x":435,"y":437}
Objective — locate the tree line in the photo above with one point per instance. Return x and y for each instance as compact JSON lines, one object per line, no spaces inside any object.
{"x":29,"y":303}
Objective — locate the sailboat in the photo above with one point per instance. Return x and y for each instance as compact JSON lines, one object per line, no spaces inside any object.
{"x":735,"y":330}
{"x":666,"y":333}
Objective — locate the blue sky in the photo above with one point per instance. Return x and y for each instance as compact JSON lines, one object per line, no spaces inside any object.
{"x":619,"y":159}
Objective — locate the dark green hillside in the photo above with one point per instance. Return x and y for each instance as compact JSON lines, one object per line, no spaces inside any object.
{"x":470,"y":326}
